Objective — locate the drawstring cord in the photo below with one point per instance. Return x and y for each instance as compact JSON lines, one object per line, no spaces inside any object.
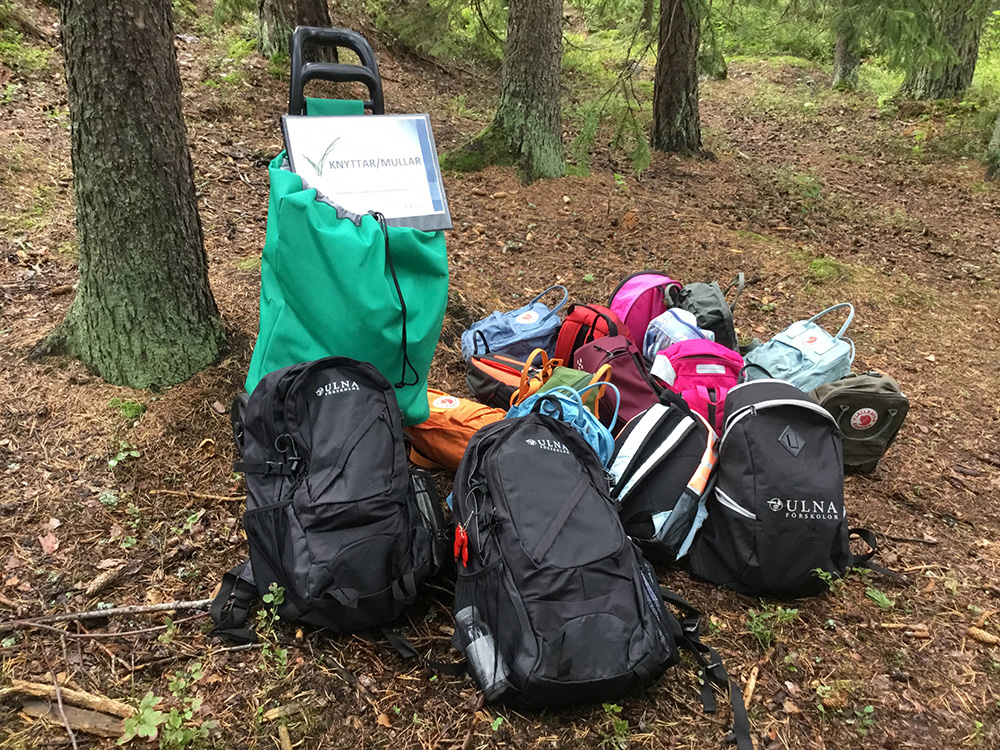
{"x":407,"y":365}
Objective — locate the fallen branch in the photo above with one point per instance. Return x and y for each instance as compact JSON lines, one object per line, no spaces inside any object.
{"x":199,"y":495}
{"x":76,"y":697}
{"x":914,"y":540}
{"x":751,"y":684}
{"x":96,"y":614}
{"x":80,"y":719}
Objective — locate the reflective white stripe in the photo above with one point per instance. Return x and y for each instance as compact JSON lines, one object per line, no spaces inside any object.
{"x":659,"y":521}
{"x":635,"y":439}
{"x":724,"y":499}
{"x":682,"y":429}
{"x":811,"y":405}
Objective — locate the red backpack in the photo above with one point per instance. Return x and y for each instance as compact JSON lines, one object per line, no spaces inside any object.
{"x":583,"y":324}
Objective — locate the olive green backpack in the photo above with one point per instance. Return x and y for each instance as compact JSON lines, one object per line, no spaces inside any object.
{"x":869,"y":409}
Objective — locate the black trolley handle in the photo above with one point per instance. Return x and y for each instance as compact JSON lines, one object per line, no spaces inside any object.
{"x":303,"y":72}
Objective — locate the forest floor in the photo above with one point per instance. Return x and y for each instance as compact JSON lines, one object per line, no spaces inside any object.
{"x":819,"y":197}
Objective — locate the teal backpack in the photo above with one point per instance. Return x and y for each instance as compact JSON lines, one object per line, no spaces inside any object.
{"x":804,"y":354}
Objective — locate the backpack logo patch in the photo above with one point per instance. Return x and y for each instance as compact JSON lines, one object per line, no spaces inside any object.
{"x":527,"y":318}
{"x":791,"y":441}
{"x":341,"y":386}
{"x":812,"y":510}
{"x":548,"y":445}
{"x":445,"y":402}
{"x":864,"y":419}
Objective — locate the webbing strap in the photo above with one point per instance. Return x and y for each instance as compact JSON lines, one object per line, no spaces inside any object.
{"x":231,"y":605}
{"x":267,"y":468}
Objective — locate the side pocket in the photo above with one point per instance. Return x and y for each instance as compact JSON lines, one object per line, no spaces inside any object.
{"x":492,"y":630}
{"x":726,"y":547}
{"x":272,"y":553}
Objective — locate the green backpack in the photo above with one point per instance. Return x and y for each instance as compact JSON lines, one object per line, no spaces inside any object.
{"x":869,"y":409}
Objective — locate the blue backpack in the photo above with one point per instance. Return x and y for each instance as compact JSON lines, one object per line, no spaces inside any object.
{"x":566,"y":405}
{"x":804,"y":354}
{"x":516,"y":333}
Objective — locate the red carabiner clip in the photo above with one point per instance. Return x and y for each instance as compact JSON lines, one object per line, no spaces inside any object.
{"x":461,"y":545}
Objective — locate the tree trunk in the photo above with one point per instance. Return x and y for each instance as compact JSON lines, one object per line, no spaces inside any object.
{"x":527,"y":128}
{"x":676,"y":122}
{"x":952,"y":78}
{"x":646,"y":22}
{"x":277,"y":19}
{"x":143,"y":313}
{"x":993,"y":153}
{"x":847,"y":50}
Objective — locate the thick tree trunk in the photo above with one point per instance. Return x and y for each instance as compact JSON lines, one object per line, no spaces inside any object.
{"x":527,"y":128}
{"x":277,"y":19}
{"x":676,"y":121}
{"x":993,"y":153}
{"x":143,"y":313}
{"x":846,"y":51}
{"x":953,"y":78}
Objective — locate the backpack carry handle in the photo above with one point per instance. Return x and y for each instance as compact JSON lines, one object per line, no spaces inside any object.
{"x":476,"y":335}
{"x":843,"y":328}
{"x":302,"y":72}
{"x":601,"y":377}
{"x":602,"y":386}
{"x":548,"y":398}
{"x":738,"y":282}
{"x":558,"y":307}
{"x":545,"y":371}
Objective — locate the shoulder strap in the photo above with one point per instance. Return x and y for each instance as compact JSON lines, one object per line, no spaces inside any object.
{"x":865,"y":560}
{"x":231,"y":605}
{"x":712,"y":670}
{"x":738,"y":283}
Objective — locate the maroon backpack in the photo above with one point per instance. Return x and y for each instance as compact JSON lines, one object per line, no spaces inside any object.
{"x":583,"y":324}
{"x":628,"y":372}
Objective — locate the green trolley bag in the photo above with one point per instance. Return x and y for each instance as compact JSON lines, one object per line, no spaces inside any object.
{"x":338,"y":284}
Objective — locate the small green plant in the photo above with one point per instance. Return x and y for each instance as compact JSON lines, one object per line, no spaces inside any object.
{"x":167,"y":636}
{"x":620,"y":183}
{"x":616,"y":737}
{"x":863,"y":720}
{"x":18,"y":56}
{"x":495,"y":724}
{"x":125,"y":452}
{"x":131,"y":410}
{"x":833,"y":584}
{"x":764,"y":624}
{"x":134,"y":513}
{"x":884,"y":602}
{"x":189,"y":523}
{"x":267,"y":619}
{"x":129,"y":542}
{"x":822,"y":270}
{"x":589,"y":278}
{"x":179,"y":728}
{"x":109,"y":499}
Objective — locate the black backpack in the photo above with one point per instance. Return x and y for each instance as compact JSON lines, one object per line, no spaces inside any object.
{"x":662,"y":470}
{"x":333,"y":515}
{"x":777,"y":511}
{"x":708,"y":303}
{"x":869,"y":409}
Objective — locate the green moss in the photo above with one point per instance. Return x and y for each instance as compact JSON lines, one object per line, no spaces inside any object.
{"x":824,"y":270}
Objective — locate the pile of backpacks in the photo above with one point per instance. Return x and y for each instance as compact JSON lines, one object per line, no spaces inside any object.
{"x":598,"y":442}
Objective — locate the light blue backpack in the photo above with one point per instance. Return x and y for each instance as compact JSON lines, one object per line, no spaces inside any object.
{"x":518,"y":333}
{"x":804,"y":354}
{"x":565,"y":404}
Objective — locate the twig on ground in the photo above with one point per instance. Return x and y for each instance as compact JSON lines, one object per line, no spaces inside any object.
{"x":76,"y":697}
{"x":927,"y":540}
{"x":59,"y":702}
{"x":751,"y":684}
{"x":94,"y":614}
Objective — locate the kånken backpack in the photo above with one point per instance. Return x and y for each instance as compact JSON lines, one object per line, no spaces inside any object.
{"x":661,"y":469}
{"x":869,"y":409}
{"x":439,"y":443}
{"x":553,"y":604}
{"x":333,"y":516}
{"x":804,"y":354}
{"x":516,"y":333}
{"x":776,"y":515}
{"x":583,"y":324}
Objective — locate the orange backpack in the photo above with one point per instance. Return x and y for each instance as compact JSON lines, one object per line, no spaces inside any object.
{"x":439,"y":443}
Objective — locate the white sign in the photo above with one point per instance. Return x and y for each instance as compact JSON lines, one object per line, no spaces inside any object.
{"x":363,"y":163}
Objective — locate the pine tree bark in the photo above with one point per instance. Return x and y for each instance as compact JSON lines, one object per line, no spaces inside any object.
{"x":646,"y":21}
{"x":676,"y":120}
{"x":846,"y":51}
{"x":951,"y":79}
{"x":527,"y":128}
{"x":143,"y":314}
{"x":993,"y":153}
{"x":277,"y":19}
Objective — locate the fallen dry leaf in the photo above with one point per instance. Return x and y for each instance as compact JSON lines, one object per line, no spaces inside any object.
{"x":49,"y":543}
{"x":383,"y":721}
{"x":54,"y":523}
{"x":110,"y":562}
{"x":791,"y":708}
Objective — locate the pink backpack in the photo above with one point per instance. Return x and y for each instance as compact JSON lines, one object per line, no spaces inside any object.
{"x":702,"y":372}
{"x":642,"y":296}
